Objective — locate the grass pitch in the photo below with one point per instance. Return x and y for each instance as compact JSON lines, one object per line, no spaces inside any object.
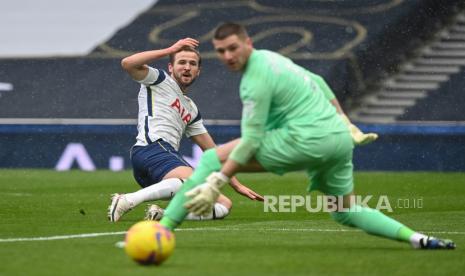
{"x":46,"y":215}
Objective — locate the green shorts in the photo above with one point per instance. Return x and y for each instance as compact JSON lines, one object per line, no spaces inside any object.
{"x":327,"y":159}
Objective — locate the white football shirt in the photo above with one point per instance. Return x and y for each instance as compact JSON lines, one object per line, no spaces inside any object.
{"x":165,"y":112}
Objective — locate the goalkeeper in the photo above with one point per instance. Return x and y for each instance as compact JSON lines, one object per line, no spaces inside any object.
{"x":287,"y":125}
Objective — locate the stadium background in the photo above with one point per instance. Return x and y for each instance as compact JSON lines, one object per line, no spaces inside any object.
{"x":396,"y":66}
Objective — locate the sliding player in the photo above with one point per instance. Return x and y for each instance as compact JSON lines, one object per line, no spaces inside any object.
{"x":165,"y":114}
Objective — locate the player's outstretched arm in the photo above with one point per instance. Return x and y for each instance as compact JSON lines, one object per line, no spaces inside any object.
{"x":136,"y":64}
{"x":358,"y":136}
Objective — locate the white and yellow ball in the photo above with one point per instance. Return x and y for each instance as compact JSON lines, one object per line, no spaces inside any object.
{"x":148,"y":242}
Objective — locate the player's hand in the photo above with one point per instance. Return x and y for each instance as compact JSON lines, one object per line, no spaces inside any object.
{"x":358,"y":136}
{"x":246,"y":191}
{"x":361,"y":138}
{"x":205,"y":195}
{"x":184,"y":42}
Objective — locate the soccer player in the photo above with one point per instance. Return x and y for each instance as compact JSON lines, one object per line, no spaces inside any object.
{"x":287,"y":125}
{"x":165,"y":114}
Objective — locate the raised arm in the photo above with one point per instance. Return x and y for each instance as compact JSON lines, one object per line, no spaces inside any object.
{"x":136,"y":64}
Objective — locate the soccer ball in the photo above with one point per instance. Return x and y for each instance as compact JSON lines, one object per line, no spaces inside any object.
{"x":148,"y":242}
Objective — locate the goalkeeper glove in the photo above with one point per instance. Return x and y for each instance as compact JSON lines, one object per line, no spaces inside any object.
{"x":358,"y":136}
{"x":206,"y":194}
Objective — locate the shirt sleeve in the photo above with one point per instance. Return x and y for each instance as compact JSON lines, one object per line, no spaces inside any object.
{"x":324,"y":87}
{"x":195,"y":128}
{"x":152,"y":76}
{"x":256,"y":100}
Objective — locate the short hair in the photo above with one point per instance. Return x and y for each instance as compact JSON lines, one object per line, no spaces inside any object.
{"x":228,"y":29}
{"x":186,"y":49}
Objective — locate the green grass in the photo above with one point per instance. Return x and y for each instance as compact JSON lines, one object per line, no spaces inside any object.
{"x":39,"y":203}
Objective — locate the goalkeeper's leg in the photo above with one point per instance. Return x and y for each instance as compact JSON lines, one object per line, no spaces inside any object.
{"x":376,"y":223}
{"x":336,"y":178}
{"x":176,"y":212}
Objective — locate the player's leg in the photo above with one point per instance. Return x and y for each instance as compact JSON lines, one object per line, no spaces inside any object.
{"x":376,"y":223}
{"x":151,"y":164}
{"x":335,"y":178}
{"x":220,"y":209}
{"x":161,"y":187}
{"x":224,"y":204}
{"x":210,"y":162}
{"x":123,"y":203}
{"x":176,"y":212}
{"x":160,"y":170}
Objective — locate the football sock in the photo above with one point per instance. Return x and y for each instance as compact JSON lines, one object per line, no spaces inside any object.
{"x":176,"y":212}
{"x":405,"y":233}
{"x":219,"y":211}
{"x":370,"y":220}
{"x":408,"y":235}
{"x":164,"y":189}
{"x":415,"y":239}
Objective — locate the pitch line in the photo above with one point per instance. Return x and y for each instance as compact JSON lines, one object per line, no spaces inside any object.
{"x":63,"y":237}
{"x":211,"y":229}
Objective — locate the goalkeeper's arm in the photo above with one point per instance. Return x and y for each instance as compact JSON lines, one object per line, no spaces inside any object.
{"x":358,"y":136}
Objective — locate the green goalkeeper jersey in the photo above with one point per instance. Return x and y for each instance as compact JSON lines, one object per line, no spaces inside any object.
{"x":277,"y":93}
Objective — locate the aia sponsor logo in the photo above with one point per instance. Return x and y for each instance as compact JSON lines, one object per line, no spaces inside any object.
{"x":185,"y":115}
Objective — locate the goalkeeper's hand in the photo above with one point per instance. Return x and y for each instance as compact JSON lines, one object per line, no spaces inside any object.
{"x":206,"y":194}
{"x":358,"y":136}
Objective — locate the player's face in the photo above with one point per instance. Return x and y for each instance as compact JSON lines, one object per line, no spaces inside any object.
{"x":233,"y":51}
{"x":185,"y":68}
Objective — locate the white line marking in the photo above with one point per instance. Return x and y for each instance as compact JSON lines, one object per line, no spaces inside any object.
{"x":15,"y":194}
{"x":208,"y":229}
{"x":63,"y":237}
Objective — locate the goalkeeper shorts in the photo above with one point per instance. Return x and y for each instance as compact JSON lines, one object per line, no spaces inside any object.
{"x":327,"y":160}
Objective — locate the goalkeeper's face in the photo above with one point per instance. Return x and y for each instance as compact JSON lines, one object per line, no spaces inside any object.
{"x":234,"y":51}
{"x":185,"y":68}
